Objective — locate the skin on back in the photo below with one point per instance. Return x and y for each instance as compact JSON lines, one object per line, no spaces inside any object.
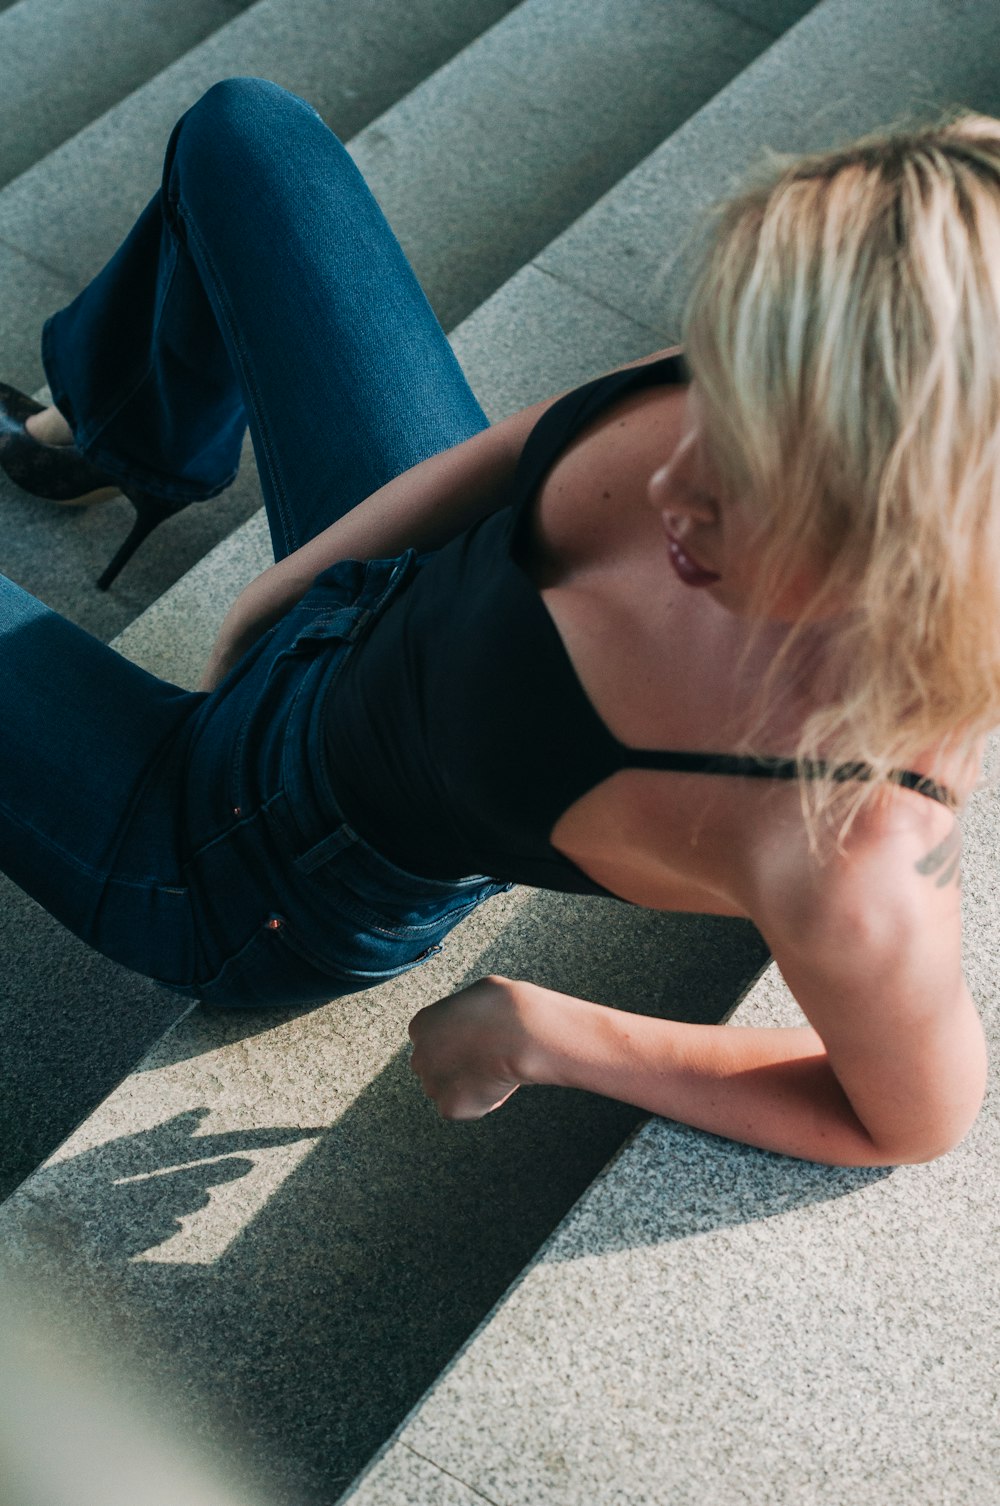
{"x":660,"y":662}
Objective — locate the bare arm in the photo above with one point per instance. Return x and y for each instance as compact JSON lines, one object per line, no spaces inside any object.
{"x":420,"y":509}
{"x":891,"y":1068}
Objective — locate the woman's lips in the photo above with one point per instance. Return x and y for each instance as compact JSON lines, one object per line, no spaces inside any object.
{"x":690,"y":573}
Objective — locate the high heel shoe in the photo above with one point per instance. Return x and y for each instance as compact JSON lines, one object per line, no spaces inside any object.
{"x":60,"y":473}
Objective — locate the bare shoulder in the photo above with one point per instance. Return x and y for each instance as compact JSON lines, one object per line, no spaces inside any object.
{"x":600,"y":477}
{"x":898,"y":869}
{"x":868,"y":939}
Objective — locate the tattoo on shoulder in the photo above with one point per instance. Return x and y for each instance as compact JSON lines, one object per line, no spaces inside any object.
{"x":943,"y":861}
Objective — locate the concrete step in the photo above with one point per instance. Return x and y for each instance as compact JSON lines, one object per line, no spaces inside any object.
{"x":500,"y":150}
{"x":710,"y":961}
{"x":369,"y":1233}
{"x":65,"y":216}
{"x":477,"y":168}
{"x":57,"y":71}
{"x":289,"y":1238}
{"x":37,"y":553}
{"x":715,"y":1323}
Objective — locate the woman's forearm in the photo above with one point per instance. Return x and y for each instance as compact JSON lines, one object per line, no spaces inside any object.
{"x":419,"y":509}
{"x":771,"y":1088}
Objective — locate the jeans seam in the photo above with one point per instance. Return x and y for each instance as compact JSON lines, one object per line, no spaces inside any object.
{"x":93,"y":430}
{"x":280,"y":492}
{"x":296,"y":943}
{"x":104,"y":875}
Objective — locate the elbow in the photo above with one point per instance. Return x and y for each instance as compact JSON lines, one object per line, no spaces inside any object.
{"x":949,"y":1110}
{"x":931,"y":1142}
{"x":934,"y":1149}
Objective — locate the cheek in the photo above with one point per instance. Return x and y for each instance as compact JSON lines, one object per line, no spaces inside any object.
{"x":799,"y":593}
{"x":742,"y":569}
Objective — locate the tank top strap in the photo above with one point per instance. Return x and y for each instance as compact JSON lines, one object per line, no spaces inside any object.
{"x":566,"y":417}
{"x":748,"y":766}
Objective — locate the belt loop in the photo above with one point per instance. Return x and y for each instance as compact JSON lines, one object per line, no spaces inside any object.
{"x":326,"y":848}
{"x":363,"y":617}
{"x":402,"y":568}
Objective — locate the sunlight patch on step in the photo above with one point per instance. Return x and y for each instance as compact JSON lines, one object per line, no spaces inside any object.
{"x":227,"y":1206}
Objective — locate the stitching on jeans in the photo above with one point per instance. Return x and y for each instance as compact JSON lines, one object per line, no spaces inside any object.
{"x":74,"y":862}
{"x":270,"y":452}
{"x":110,"y":413}
{"x":289,"y":938}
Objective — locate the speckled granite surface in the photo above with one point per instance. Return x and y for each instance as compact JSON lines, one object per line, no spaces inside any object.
{"x":716,"y":1323}
{"x":272,"y":1218}
{"x":710,"y":1323}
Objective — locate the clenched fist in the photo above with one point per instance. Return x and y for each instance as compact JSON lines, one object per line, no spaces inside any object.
{"x":473,"y":1049}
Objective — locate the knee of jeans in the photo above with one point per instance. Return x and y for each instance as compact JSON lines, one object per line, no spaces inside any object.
{"x":236,"y":121}
{"x":232,"y":104}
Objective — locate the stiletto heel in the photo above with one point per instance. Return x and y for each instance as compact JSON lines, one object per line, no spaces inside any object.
{"x":60,"y":473}
{"x":149,"y":513}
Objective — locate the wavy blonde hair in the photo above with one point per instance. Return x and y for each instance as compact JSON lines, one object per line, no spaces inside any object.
{"x":844,"y":335}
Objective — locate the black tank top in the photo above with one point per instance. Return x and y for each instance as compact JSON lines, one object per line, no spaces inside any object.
{"x":459,"y":732}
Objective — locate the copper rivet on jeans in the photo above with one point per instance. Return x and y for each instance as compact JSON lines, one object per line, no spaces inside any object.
{"x":274,"y":924}
{"x":237,"y":810}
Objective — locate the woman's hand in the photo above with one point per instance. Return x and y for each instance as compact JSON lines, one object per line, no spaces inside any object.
{"x":239,"y":632}
{"x":257,"y":608}
{"x":473,"y":1049}
{"x":220,"y":662}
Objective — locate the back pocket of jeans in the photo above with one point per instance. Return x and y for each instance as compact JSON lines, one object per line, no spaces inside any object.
{"x":278,"y":968}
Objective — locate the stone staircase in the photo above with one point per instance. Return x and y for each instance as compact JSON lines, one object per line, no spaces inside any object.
{"x":262,"y":1208}
{"x":399,"y":84}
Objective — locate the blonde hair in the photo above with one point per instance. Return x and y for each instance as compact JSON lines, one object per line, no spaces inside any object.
{"x":844,"y":335}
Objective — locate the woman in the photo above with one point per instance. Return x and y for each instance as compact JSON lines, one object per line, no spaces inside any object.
{"x":715,"y":633}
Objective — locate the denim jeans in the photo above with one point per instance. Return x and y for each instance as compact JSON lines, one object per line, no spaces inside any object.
{"x":192,"y":837}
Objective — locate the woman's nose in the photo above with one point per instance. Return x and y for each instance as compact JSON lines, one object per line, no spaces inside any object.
{"x":682,"y":514}
{"x":680,"y":501}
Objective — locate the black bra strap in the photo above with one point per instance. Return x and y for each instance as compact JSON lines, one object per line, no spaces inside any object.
{"x":776,"y":768}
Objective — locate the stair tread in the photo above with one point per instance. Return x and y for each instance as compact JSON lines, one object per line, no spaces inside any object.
{"x":473,"y":176}
{"x":70,"y":211}
{"x":299,"y":1238}
{"x":739,"y":1326}
{"x":49,"y":85}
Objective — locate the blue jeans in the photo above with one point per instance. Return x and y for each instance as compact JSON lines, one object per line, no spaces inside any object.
{"x":192,"y":837}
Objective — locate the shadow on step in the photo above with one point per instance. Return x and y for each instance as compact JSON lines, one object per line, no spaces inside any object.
{"x":300,"y":1287}
{"x":72,"y":1025}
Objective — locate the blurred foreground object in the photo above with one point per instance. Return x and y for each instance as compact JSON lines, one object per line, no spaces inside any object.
{"x":77,"y":1429}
